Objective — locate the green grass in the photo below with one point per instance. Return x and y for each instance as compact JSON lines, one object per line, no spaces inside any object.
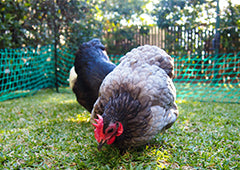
{"x":52,"y":131}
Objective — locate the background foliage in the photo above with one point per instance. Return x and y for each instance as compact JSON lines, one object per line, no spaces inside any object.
{"x":184,"y":12}
{"x":71,"y":22}
{"x":34,"y":22}
{"x":199,"y":17}
{"x":120,"y":20}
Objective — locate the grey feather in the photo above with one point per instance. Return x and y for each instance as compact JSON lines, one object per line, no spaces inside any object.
{"x":144,"y":75}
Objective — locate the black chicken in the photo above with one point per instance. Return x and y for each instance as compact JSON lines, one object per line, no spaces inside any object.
{"x":90,"y":68}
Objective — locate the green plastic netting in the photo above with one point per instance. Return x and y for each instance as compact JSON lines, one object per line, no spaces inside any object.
{"x":208,"y":78}
{"x":197,"y":77}
{"x":25,"y":70}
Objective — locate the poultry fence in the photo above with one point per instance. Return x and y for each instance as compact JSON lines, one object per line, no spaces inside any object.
{"x":24,"y":71}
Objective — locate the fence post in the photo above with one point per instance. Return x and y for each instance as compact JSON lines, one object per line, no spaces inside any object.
{"x":217,"y":36}
{"x":216,"y":44}
{"x":55,"y":45}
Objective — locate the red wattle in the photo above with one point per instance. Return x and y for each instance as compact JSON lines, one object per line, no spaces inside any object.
{"x":111,"y":140}
{"x":120,"y":129}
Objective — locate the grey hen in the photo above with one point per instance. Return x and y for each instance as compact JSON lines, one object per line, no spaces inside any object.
{"x":136,"y":100}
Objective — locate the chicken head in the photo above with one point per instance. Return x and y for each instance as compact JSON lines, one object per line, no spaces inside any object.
{"x":108,"y":134}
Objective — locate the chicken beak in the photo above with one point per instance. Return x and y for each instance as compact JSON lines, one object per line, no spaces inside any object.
{"x":101,"y":143}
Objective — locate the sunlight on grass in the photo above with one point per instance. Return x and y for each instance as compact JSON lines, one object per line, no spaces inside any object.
{"x":83,"y":117}
{"x":181,"y":101}
{"x":161,"y":157}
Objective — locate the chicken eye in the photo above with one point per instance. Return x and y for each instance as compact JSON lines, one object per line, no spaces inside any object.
{"x":110,"y":130}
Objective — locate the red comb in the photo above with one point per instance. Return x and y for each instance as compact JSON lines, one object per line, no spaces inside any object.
{"x":98,"y":132}
{"x":99,"y":121}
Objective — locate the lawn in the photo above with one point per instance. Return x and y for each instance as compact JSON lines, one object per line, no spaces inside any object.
{"x":51,"y":130}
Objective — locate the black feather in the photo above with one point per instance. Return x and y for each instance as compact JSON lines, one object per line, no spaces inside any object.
{"x":91,"y":66}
